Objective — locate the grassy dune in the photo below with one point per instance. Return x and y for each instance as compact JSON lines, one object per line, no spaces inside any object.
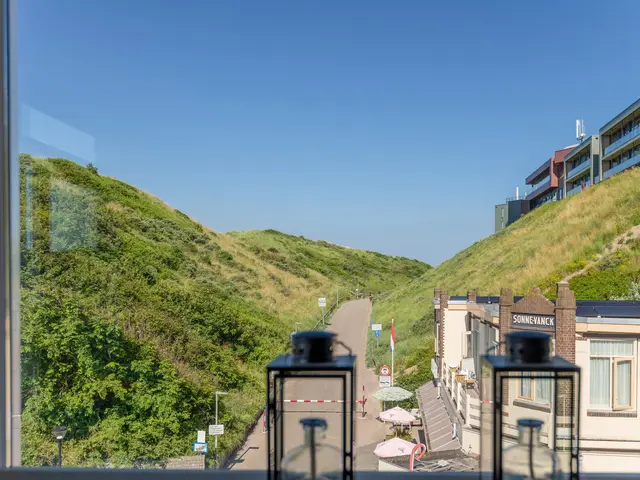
{"x":133,"y":315}
{"x":591,"y":233}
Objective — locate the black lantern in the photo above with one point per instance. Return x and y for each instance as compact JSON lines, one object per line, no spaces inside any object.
{"x":530,"y":406}
{"x":310,"y":370}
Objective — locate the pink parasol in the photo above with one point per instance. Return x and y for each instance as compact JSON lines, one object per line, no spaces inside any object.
{"x":397,"y":415}
{"x":396,"y":447}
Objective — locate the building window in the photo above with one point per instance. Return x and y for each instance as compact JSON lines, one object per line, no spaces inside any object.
{"x":536,"y":389}
{"x":501,"y":225}
{"x":502,"y":212}
{"x":468,"y":349}
{"x":611,"y":368}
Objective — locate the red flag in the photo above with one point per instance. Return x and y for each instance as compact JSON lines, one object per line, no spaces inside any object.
{"x":393,"y":334}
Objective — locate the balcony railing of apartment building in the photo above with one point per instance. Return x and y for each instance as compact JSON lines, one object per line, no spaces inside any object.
{"x":538,"y":188}
{"x":578,"y":188}
{"x":578,"y":169}
{"x":622,"y":141}
{"x":630,"y":162}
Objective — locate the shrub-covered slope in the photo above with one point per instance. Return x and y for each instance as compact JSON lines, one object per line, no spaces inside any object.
{"x":133,"y":315}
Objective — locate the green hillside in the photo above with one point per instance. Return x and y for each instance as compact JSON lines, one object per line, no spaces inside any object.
{"x":133,"y":315}
{"x":591,"y":239}
{"x":372,"y":271}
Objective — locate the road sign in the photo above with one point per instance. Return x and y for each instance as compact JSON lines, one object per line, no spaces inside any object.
{"x":377,"y":332}
{"x":201,"y":447}
{"x":376,"y":326}
{"x":322,"y":302}
{"x":385,"y":370}
{"x":385,"y":381}
{"x":216,"y":429}
{"x":201,"y":436}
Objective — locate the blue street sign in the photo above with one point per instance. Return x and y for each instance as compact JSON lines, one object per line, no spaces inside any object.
{"x":377,"y":332}
{"x":200,"y":447}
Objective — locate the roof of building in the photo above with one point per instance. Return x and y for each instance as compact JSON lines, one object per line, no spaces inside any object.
{"x":608,"y":308}
{"x":611,"y":123}
{"x":584,"y":308}
{"x":540,"y":171}
{"x":559,"y":155}
{"x":578,"y":148}
{"x":481,"y":299}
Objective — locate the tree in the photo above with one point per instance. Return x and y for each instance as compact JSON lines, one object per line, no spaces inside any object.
{"x":92,"y":168}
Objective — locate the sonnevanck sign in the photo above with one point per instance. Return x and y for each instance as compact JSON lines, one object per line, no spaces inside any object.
{"x":533,"y":321}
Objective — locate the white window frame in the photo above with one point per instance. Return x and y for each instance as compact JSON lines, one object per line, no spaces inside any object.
{"x":467,"y":343}
{"x":614,"y":360}
{"x":533,"y":396}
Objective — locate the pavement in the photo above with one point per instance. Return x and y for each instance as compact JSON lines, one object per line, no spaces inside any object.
{"x":351,"y":324}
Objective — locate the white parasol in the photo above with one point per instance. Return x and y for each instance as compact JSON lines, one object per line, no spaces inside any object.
{"x":397,"y":415}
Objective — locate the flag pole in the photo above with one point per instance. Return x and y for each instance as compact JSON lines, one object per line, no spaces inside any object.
{"x":393,"y":350}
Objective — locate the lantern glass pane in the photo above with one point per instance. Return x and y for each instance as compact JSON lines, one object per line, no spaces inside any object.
{"x":313,"y":398}
{"x":326,"y":396}
{"x":567,"y":419}
{"x":545,"y":395}
{"x":486,"y":417}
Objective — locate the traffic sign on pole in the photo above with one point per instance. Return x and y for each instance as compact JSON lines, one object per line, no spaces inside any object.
{"x":377,"y":333}
{"x":322,"y":302}
{"x":385,"y":371}
{"x":216,"y":429}
{"x":385,"y":381}
{"x":376,"y":327}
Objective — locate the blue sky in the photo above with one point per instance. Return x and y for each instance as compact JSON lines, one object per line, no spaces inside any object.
{"x":390,"y":126}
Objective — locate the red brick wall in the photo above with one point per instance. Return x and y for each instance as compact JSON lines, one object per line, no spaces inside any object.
{"x":565,"y":322}
{"x":506,"y":306}
{"x":565,"y":346}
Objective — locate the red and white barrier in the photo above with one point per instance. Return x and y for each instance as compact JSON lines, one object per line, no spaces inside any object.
{"x":313,"y":401}
{"x":361,"y":402}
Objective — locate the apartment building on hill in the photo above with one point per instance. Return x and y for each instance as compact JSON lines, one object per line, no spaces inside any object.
{"x":598,"y":157}
{"x":546,"y":184}
{"x":582,"y":166}
{"x":620,"y":139}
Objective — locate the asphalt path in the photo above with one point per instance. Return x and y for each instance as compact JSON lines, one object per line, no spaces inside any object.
{"x":351,"y":324}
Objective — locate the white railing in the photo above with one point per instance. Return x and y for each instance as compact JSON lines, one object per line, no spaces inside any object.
{"x":462,"y":401}
{"x":473,"y":409}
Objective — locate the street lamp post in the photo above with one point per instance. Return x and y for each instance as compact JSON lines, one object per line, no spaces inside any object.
{"x":216,"y":448}
{"x":59,"y":433}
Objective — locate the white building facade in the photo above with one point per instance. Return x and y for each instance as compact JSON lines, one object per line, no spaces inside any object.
{"x":602,"y":337}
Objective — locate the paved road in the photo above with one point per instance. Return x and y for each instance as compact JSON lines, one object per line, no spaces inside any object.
{"x":351,"y":323}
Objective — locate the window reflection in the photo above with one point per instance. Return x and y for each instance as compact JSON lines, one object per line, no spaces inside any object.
{"x":143,"y":323}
